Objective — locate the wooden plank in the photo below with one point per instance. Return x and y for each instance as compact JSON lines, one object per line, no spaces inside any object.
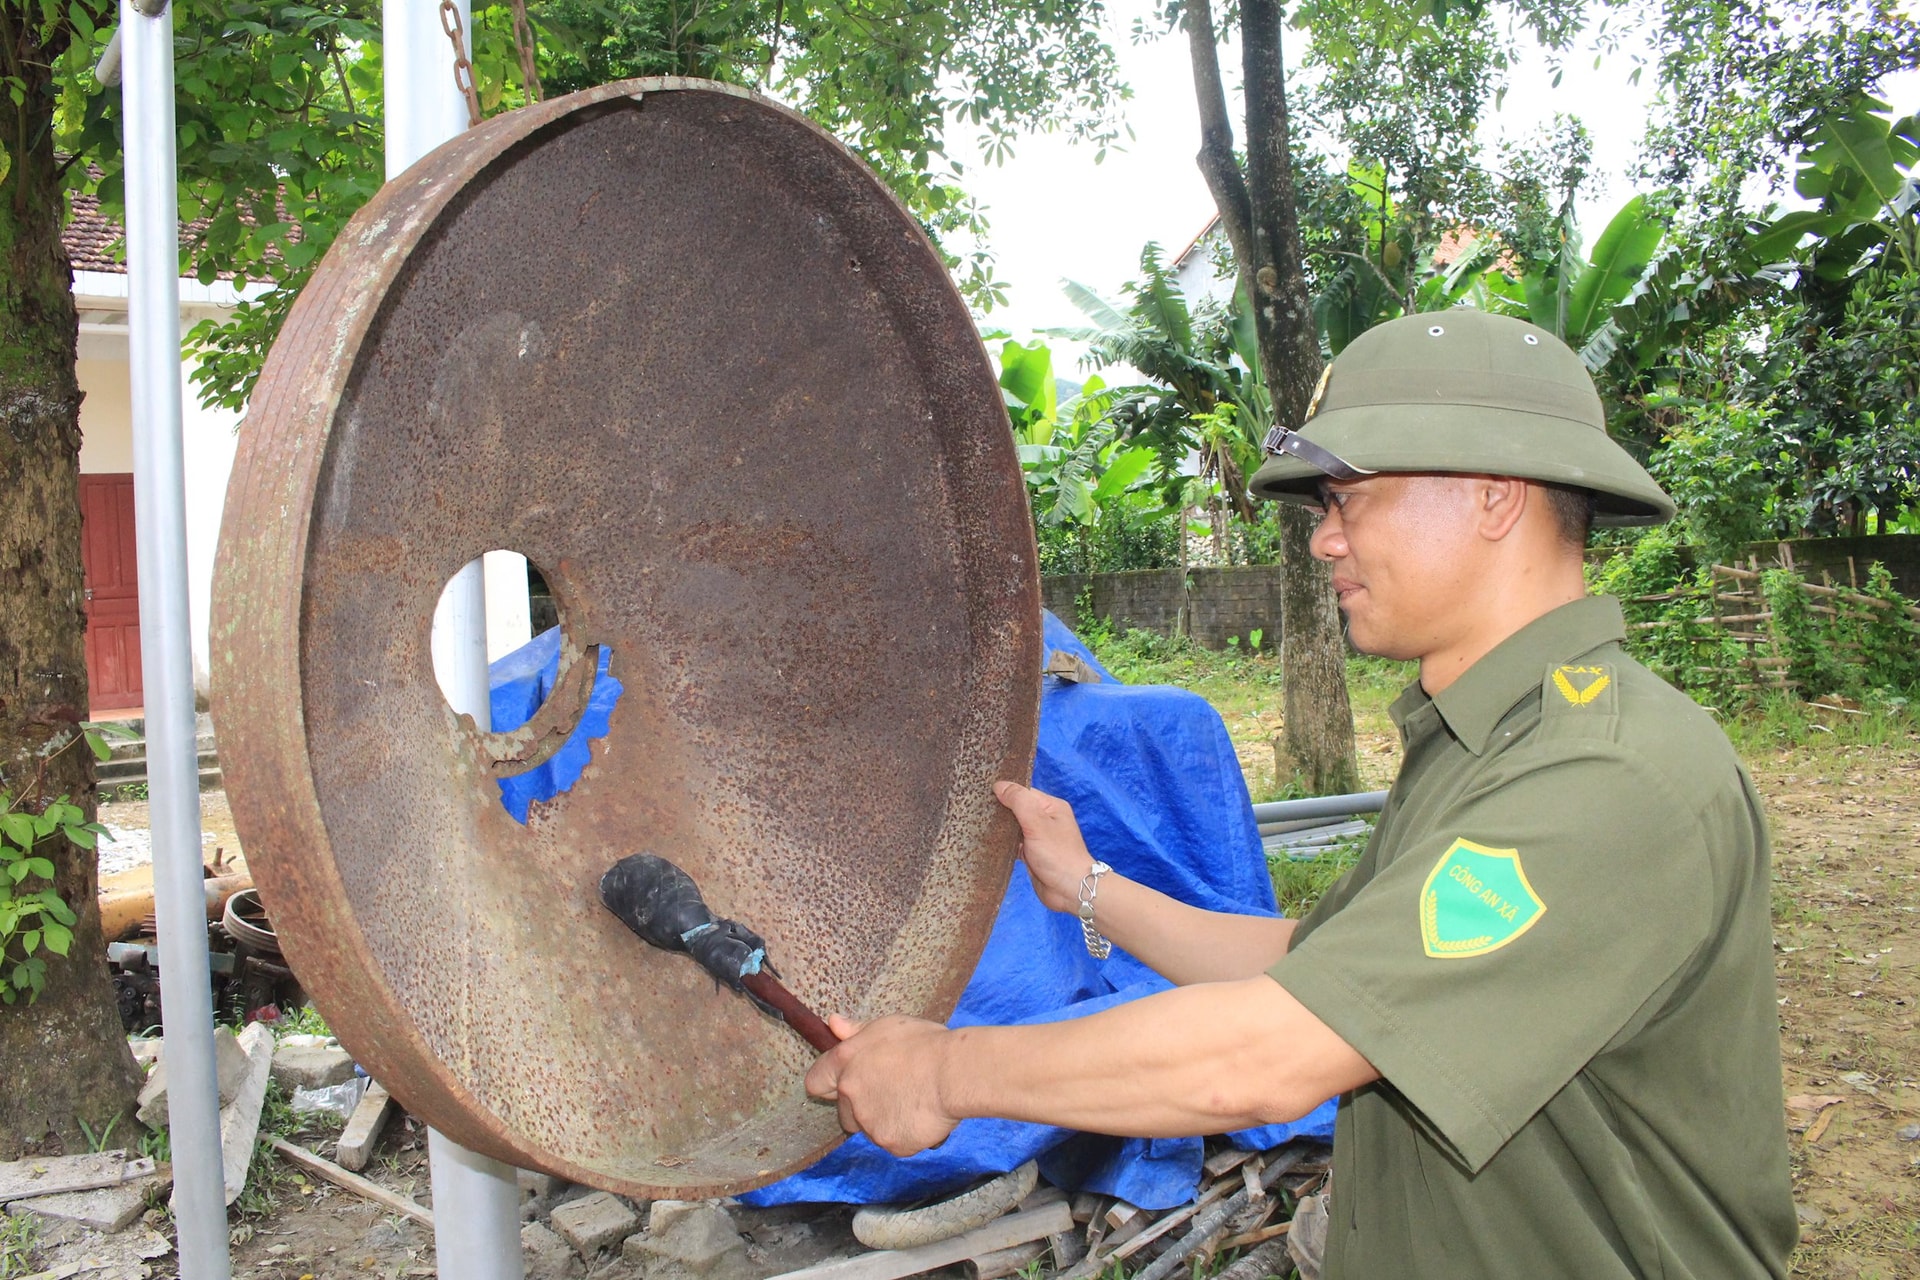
{"x":1255,"y":1237}
{"x":353,"y":1182}
{"x":56,"y":1175}
{"x":363,"y":1128}
{"x":1221,"y":1162}
{"x":1004,"y":1262}
{"x":892,"y":1264}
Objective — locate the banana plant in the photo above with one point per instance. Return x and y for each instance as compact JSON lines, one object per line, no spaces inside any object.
{"x":1075,"y":461}
{"x":1861,"y":172}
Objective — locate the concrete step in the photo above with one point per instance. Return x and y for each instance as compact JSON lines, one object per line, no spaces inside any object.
{"x":210,"y":780}
{"x":129,"y":768}
{"x":127,"y":764}
{"x":136,"y":748}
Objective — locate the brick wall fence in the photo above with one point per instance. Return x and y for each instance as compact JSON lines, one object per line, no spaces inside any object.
{"x":1216,"y":603}
{"x":1900,"y":552}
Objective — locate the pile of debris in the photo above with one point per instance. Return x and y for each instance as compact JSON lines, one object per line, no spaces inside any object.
{"x":1244,"y":1211}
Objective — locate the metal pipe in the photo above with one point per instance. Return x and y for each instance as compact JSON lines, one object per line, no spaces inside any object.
{"x":106,"y":72}
{"x":1320,"y":807}
{"x":166,"y":644}
{"x":476,"y":1199}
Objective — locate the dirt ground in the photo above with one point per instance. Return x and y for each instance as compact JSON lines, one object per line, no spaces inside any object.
{"x":1846,"y":827}
{"x":1846,"y":823}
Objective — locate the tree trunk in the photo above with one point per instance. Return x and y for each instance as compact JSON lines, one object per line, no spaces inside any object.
{"x":1261,"y":218}
{"x":66,"y":1059}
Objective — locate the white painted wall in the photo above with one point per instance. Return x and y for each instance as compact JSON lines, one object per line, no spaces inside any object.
{"x":106,"y":425}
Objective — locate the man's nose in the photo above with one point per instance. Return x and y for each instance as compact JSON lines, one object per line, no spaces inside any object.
{"x":1329,"y":542}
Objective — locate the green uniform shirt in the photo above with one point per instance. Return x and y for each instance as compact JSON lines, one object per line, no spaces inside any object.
{"x":1557,"y":952}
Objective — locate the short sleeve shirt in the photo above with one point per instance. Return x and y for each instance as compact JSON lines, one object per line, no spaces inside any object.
{"x":1557,"y":952}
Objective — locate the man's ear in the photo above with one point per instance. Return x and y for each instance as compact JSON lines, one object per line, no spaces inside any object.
{"x":1499,"y":504}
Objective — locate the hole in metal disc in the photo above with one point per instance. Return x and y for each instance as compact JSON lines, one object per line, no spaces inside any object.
{"x":1435,"y":331}
{"x":520,"y":678}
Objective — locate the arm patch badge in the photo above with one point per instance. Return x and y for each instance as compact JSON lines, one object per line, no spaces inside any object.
{"x":1476,"y":900}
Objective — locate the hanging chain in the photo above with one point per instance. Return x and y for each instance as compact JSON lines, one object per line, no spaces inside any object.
{"x":462,"y":69}
{"x":524,"y":46}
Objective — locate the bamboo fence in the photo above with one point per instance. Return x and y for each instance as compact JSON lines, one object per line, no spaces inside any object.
{"x":1737,"y":608}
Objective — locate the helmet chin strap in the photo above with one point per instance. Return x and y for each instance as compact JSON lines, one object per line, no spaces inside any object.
{"x":1287,"y":440}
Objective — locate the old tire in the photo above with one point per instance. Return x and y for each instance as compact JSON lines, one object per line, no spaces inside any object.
{"x":892,"y":1226}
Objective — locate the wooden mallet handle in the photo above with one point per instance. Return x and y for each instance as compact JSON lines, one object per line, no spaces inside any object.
{"x":792,"y":1009}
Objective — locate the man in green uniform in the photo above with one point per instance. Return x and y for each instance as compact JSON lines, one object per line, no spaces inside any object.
{"x":1545,"y":993}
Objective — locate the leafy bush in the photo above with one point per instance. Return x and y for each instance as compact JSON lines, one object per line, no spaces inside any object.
{"x":1834,"y":646}
{"x":1727,"y":472}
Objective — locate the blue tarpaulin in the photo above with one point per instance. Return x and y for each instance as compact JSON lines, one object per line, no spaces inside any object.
{"x":518,"y":684}
{"x":1154,"y":782}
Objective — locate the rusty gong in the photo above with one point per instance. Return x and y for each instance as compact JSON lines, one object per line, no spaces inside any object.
{"x":676,"y":345}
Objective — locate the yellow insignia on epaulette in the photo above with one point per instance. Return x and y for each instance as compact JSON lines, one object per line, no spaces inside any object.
{"x":1581,"y":685}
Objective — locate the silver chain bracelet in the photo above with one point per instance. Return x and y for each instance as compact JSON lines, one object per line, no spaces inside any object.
{"x":1097,"y":945}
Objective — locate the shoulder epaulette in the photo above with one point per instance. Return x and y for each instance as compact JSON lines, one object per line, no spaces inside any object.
{"x":1581,"y":692}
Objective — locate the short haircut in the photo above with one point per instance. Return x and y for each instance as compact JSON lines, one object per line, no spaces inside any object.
{"x":1572,"y":510}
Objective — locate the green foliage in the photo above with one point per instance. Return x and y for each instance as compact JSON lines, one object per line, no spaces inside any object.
{"x":1097,"y":503}
{"x":281,"y":137}
{"x":97,"y":1141}
{"x":1834,"y":646}
{"x":17,"y":1235}
{"x":1725,"y":469}
{"x":35,"y":921}
{"x":1746,"y":84}
{"x":304,"y":1021}
{"x":1299,"y":883}
{"x":267,"y":1174}
{"x":1667,"y":603}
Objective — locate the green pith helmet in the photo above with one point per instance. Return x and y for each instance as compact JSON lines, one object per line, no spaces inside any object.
{"x":1461,"y":391}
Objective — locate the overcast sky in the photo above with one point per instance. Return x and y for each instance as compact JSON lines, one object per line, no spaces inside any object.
{"x":1055,"y":213}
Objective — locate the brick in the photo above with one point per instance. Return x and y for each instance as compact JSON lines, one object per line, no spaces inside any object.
{"x":303,"y":1066}
{"x":595,"y":1222}
{"x":547,"y":1256}
{"x":692,"y":1241}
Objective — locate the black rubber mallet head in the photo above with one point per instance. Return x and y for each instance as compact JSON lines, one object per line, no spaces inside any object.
{"x":661,"y":903}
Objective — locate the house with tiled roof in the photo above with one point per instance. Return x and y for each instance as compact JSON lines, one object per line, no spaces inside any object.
{"x":93,"y":244}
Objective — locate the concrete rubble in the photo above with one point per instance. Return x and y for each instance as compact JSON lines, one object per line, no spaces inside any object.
{"x":310,"y":1062}
{"x":230,"y":1069}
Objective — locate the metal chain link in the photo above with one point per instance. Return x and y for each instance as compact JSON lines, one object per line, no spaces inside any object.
{"x":462,"y":69}
{"x":524,"y":46}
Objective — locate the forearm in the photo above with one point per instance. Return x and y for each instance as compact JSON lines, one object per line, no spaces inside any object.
{"x":1187,"y":944}
{"x":1202,"y":1059}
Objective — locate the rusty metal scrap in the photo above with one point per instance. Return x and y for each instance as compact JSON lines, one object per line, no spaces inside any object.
{"x":676,"y":345}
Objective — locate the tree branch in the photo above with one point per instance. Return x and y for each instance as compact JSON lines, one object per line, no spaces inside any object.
{"x":1282,"y":303}
{"x":1217,"y":162}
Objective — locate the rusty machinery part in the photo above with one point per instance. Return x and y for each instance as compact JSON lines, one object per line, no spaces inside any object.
{"x":676,"y":345}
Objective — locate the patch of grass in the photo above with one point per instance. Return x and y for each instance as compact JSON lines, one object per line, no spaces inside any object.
{"x":304,"y":1021}
{"x":1299,"y":883}
{"x":267,"y":1174}
{"x":1870,"y":1246}
{"x":97,"y":1139}
{"x":17,"y":1234}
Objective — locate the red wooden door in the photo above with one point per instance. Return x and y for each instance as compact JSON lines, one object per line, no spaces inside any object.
{"x":113,"y":591}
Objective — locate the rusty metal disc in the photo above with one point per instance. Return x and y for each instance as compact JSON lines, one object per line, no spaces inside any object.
{"x":676,"y":345}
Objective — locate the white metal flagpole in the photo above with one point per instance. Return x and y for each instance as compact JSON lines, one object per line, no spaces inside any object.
{"x":476,"y":1199}
{"x":166,"y":647}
